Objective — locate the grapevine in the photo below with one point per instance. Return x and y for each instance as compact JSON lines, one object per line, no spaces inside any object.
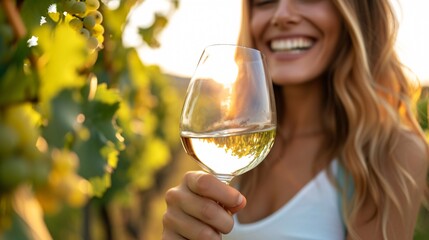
{"x":27,"y":158}
{"x":69,"y":92}
{"x":84,"y":18}
{"x":18,"y":152}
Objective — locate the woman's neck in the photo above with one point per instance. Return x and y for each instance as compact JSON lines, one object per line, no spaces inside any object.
{"x":303,"y":109}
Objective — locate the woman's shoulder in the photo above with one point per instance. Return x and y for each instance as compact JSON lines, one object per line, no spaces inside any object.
{"x":411,"y":152}
{"x":406,"y":181}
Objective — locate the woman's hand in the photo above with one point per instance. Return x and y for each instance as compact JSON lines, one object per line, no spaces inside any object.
{"x":201,"y":207}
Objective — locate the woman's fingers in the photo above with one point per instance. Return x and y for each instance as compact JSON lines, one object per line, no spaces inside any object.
{"x":179,"y":225}
{"x":237,"y":208}
{"x":208,"y":186}
{"x":207,"y":211}
{"x":200,"y":208}
{"x":167,"y":234}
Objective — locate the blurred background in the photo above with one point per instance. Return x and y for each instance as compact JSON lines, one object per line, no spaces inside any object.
{"x":89,"y":108}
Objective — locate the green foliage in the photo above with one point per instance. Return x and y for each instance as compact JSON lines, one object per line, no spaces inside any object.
{"x":422,"y":230}
{"x":149,"y":32}
{"x":97,"y":122}
{"x":62,"y":54}
{"x":16,"y":231}
{"x":11,"y":90}
{"x":422,"y":111}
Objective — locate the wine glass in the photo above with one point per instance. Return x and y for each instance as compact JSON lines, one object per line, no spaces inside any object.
{"x":228,"y":121}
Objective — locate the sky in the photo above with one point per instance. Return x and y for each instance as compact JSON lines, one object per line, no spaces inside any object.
{"x":199,"y":23}
{"x":193,"y":26}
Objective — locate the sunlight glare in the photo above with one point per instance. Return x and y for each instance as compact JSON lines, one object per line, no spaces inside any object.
{"x":223,"y":70}
{"x":33,"y":41}
{"x":413,"y":37}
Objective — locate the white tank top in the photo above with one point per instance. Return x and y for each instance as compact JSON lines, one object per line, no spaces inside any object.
{"x":312,"y":214}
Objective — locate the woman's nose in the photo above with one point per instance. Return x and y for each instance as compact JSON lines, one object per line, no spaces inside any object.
{"x":285,"y":14}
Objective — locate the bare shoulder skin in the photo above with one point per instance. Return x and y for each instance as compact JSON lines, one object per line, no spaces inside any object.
{"x":411,"y":153}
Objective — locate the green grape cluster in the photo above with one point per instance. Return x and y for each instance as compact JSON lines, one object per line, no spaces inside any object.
{"x":84,"y":17}
{"x":64,"y":184}
{"x":21,"y":162}
{"x":25,"y":159}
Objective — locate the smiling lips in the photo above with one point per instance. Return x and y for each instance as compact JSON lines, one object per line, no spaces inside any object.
{"x":291,"y":45}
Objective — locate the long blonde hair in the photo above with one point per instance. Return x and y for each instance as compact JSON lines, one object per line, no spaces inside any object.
{"x":369,"y":99}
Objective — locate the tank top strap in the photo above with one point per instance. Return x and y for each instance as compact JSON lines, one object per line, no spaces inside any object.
{"x":345,"y":183}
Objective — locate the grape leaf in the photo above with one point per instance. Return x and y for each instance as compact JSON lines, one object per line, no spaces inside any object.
{"x":100,"y":184}
{"x":114,"y":19}
{"x":92,"y":161}
{"x":139,"y":77}
{"x":64,"y":53}
{"x":66,"y":106}
{"x":100,"y":113}
{"x":150,"y":34}
{"x":155,"y":155}
{"x":99,"y":153}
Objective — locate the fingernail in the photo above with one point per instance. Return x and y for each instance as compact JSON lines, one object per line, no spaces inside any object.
{"x":240,"y":200}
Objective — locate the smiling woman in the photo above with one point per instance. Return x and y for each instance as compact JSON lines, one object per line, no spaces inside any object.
{"x":199,"y":23}
{"x":344,"y":113}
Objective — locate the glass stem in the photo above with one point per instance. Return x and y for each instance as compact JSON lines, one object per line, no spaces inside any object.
{"x":225,"y":178}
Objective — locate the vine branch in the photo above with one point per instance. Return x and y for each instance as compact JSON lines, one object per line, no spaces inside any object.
{"x":14,"y":18}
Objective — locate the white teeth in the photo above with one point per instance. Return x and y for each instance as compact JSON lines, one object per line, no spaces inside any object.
{"x":292,"y":44}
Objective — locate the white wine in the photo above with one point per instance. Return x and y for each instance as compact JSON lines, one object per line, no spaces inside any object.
{"x":229,"y":154}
